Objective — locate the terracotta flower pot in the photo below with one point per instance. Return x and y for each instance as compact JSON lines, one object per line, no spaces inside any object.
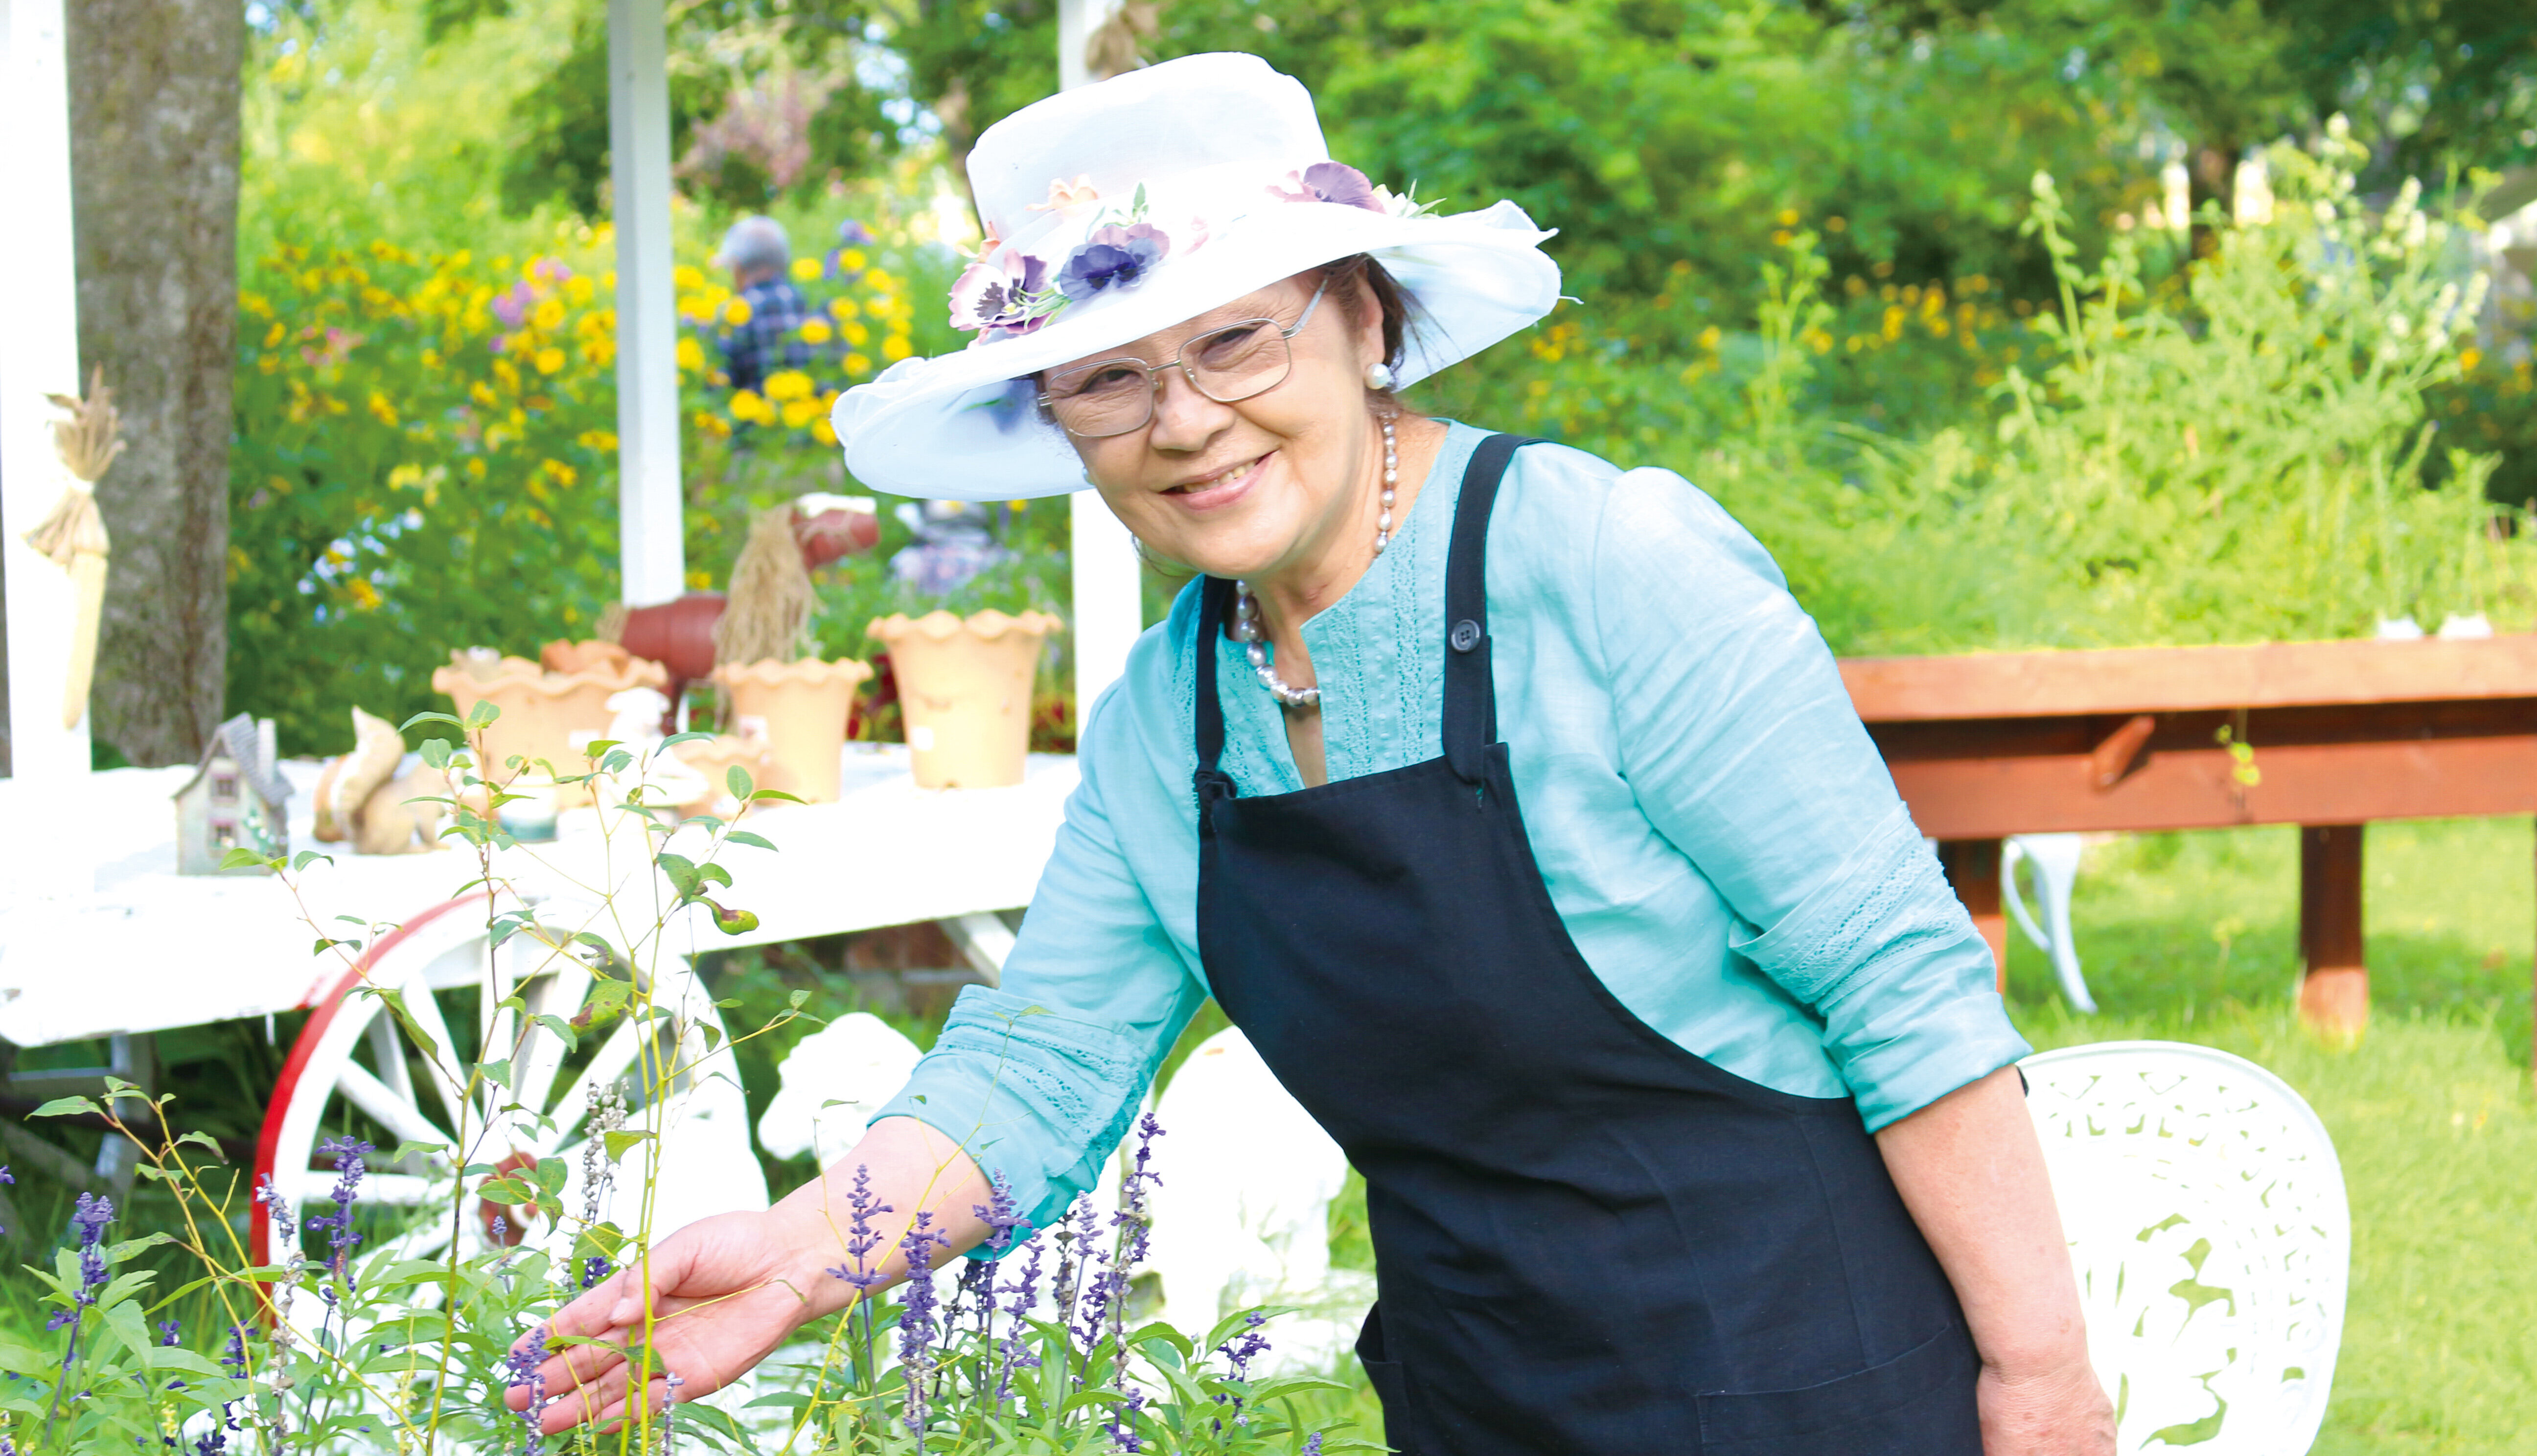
{"x":543,"y":711}
{"x":800,"y":708}
{"x":965,"y":689}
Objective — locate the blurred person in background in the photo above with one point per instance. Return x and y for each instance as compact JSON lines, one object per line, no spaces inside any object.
{"x":768,"y":336}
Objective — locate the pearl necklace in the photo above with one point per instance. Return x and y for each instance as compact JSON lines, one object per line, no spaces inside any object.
{"x":1246,"y":607}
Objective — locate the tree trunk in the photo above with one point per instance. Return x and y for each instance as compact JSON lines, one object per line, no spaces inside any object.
{"x":154,"y":187}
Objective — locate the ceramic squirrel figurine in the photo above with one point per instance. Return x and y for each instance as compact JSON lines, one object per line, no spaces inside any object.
{"x":360,"y":797}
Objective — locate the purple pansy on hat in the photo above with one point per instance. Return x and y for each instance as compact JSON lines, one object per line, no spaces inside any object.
{"x":1112,"y":258}
{"x":989,"y":298}
{"x":1331,"y":182}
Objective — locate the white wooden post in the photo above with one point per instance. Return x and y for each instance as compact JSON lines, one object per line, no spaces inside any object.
{"x":651,"y":541}
{"x":39,"y":355}
{"x":1109,"y":606}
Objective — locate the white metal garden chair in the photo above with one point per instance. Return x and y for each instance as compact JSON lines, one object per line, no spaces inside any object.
{"x":2054,"y":858}
{"x":2206,"y":1217}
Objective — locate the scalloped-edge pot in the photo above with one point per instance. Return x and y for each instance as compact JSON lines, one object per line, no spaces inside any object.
{"x":544,"y":715}
{"x":801,"y":708}
{"x":964,"y":687}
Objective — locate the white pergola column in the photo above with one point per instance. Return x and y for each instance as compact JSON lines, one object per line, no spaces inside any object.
{"x":1109,"y":606}
{"x":39,"y":355}
{"x":651,"y":545}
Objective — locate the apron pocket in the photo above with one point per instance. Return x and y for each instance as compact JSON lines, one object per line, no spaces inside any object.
{"x":1921,"y":1401}
{"x":1391,"y":1387}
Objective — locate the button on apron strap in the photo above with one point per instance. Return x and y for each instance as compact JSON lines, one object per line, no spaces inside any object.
{"x":1470,"y":694}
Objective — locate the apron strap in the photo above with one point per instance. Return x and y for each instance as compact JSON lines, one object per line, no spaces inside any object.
{"x":1471,"y":688}
{"x":1216,"y":598}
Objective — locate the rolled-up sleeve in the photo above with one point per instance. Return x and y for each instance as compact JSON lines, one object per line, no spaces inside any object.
{"x":1742,"y":749}
{"x":1040,"y":1078}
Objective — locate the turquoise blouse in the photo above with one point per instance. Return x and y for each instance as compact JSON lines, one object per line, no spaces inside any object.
{"x":1716,"y":831}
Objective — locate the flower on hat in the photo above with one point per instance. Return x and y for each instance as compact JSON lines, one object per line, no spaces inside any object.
{"x":1332,"y":182}
{"x":1112,"y":257}
{"x":1003,"y":302}
{"x":1066,"y":196}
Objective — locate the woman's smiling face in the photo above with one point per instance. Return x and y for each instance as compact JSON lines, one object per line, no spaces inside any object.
{"x":1260,"y":486}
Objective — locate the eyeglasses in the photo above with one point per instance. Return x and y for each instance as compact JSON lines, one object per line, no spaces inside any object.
{"x":1235,"y":362}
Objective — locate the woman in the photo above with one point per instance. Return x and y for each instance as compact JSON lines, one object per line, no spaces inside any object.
{"x":1508,"y":803}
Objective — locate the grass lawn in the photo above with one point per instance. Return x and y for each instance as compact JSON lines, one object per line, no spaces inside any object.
{"x":2193,"y":937}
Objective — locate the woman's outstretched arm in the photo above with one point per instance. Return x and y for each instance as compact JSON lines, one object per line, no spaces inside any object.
{"x":726,"y":1290}
{"x":1972,"y":1173}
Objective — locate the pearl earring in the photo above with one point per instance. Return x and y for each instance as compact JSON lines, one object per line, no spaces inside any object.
{"x":1378,"y":377}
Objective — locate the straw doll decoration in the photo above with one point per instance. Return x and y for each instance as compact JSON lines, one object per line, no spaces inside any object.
{"x":74,"y":533}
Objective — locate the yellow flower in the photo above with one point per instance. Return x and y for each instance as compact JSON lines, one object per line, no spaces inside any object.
{"x":823,"y":432}
{"x":275,"y":334}
{"x":508,"y":373}
{"x":736,"y":312}
{"x":579,"y":288}
{"x":405,"y":477}
{"x":559,"y":473}
{"x":549,"y":360}
{"x":816,"y":331}
{"x":699,"y":581}
{"x":880,"y":281}
{"x":857,"y":364}
{"x":748,"y":406}
{"x":1788,"y":216}
{"x":365,"y":595}
{"x":851,"y":260}
{"x":600,"y":440}
{"x":692,"y":354}
{"x":381,"y":411}
{"x":482,"y":395}
{"x":476,"y":467}
{"x":1708,"y":336}
{"x":896,"y":347}
{"x":2469,"y":357}
{"x":687,"y":277}
{"x":856,"y":335}
{"x":712,"y":423}
{"x":801,"y":412}
{"x":842,"y":308}
{"x":787,"y":384}
{"x":549,"y":315}
{"x":805,"y":270}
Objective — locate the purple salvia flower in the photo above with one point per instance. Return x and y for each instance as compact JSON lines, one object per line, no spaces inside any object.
{"x":917,"y":1326}
{"x":285,"y":1222}
{"x":594,"y":1269}
{"x":1003,"y":1217}
{"x":861,"y":1236}
{"x":349,"y":1170}
{"x":520,"y":1369}
{"x":1313,"y":1444}
{"x":167,"y":1332}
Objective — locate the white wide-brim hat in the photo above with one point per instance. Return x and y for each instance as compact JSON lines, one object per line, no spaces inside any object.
{"x":1118,"y":209}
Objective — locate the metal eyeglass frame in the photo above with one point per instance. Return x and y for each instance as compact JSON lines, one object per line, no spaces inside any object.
{"x":1153,"y":373}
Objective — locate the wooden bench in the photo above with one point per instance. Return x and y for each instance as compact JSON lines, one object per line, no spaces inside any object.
{"x":1987,"y":745}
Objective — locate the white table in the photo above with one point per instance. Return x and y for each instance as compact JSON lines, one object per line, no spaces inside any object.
{"x":142,"y":948}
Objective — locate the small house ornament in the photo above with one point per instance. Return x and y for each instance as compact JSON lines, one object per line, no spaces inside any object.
{"x":236,"y":800}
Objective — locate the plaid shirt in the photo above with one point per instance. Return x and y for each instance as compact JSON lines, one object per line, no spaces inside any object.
{"x":772,"y":337}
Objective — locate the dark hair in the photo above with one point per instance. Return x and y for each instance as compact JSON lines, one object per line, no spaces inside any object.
{"x":1353,"y":279}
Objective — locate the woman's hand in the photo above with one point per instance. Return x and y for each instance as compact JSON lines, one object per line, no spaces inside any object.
{"x":726,"y":1290}
{"x":1970,"y":1172}
{"x":725,"y":1293}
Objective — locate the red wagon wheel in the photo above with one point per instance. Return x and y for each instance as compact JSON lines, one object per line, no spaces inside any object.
{"x":357,"y":1068}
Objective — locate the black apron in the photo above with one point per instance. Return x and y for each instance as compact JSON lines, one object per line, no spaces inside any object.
{"x":1587,"y":1239}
